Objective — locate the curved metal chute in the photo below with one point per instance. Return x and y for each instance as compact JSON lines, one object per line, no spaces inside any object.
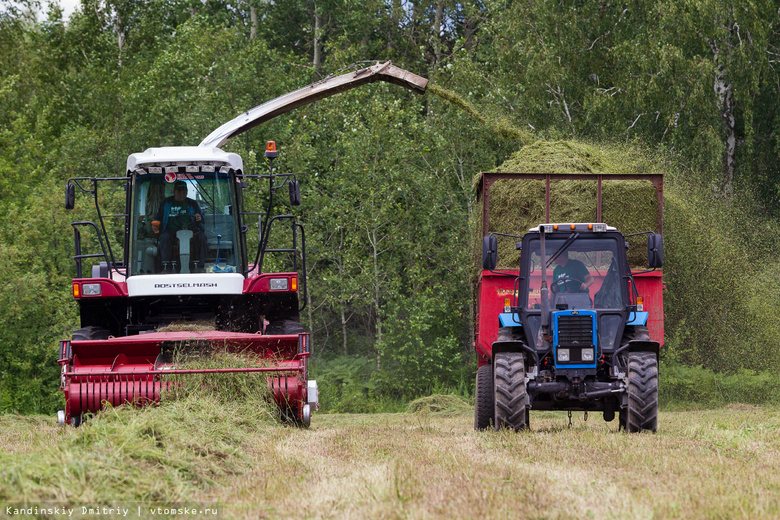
{"x":303,"y":96}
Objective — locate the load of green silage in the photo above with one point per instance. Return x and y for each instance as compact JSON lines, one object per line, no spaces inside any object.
{"x":517,"y":205}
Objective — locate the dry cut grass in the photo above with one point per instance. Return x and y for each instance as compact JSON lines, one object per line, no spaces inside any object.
{"x":705,"y":464}
{"x":720,"y":463}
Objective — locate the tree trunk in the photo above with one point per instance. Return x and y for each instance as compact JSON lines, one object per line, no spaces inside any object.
{"x":253,"y":22}
{"x":377,"y":305}
{"x":342,"y":299}
{"x":317,"y":39}
{"x":437,"y":33}
{"x":120,"y":39}
{"x":724,"y":90}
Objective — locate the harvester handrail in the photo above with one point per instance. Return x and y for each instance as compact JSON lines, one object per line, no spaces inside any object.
{"x":77,"y":239}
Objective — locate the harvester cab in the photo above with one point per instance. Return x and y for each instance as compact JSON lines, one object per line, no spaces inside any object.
{"x":570,"y":328}
{"x":179,"y":272}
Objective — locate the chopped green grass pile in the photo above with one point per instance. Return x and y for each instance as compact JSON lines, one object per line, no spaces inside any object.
{"x":440,"y":405}
{"x":516,"y":206}
{"x":161,"y":454}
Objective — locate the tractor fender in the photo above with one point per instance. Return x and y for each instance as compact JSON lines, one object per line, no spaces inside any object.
{"x":639,"y":345}
{"x":514,"y":346}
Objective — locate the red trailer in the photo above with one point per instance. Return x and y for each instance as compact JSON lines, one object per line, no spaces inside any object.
{"x":573,"y":326}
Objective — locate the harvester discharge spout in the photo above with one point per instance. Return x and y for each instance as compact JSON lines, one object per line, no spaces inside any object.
{"x":303,"y":96}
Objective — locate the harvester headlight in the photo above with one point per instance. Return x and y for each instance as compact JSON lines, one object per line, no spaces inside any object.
{"x":278,"y":284}
{"x":207,"y":168}
{"x":91,"y":289}
{"x":193,"y":168}
{"x":155,"y":169}
{"x":587,"y":354}
{"x":563,"y":354}
{"x":171,"y":169}
{"x":600,"y":228}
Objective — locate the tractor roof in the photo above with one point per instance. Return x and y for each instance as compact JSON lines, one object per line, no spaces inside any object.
{"x":184,"y":155}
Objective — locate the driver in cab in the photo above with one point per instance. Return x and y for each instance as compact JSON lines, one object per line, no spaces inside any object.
{"x":571,"y":275}
{"x":177,"y":213}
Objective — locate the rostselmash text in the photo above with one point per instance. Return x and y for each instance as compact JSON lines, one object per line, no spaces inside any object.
{"x":185,"y":285}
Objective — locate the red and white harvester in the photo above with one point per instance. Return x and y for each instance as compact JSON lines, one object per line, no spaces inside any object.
{"x":139,"y":292}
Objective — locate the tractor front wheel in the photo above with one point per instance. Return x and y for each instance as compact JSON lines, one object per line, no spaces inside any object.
{"x":509,"y":391}
{"x":483,"y":398}
{"x":642,"y":411}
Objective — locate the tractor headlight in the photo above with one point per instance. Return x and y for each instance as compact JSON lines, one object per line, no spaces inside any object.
{"x":278,"y":284}
{"x":587,"y":354}
{"x":90,"y":289}
{"x":563,"y":354}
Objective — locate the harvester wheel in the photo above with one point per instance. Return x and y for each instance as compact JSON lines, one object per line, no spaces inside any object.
{"x":483,"y":398}
{"x":642,"y":412}
{"x":509,"y":391}
{"x":287,"y":326}
{"x":90,"y":333}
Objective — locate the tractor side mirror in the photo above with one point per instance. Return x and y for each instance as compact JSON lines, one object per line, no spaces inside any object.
{"x":70,"y":196}
{"x":489,"y":252}
{"x":295,"y":193}
{"x":655,"y":250}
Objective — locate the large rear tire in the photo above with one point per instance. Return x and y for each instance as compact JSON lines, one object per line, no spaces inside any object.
{"x":509,"y":391}
{"x":642,"y":411}
{"x":483,"y":398}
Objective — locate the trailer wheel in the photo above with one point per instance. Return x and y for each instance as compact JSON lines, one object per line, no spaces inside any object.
{"x":483,"y":398}
{"x":509,"y":391}
{"x":90,"y":333}
{"x":642,"y":412}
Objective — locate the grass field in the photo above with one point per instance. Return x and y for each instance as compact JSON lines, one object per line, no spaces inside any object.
{"x":722,"y":463}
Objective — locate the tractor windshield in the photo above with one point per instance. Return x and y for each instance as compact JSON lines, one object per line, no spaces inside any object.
{"x":183,"y":223}
{"x":582,"y":273}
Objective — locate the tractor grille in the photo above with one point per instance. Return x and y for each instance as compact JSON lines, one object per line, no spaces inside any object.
{"x":575,"y":331}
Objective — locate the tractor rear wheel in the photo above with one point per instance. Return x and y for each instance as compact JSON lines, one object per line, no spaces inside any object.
{"x":642,"y":412}
{"x":90,"y":333}
{"x":509,"y":391}
{"x":483,"y":398}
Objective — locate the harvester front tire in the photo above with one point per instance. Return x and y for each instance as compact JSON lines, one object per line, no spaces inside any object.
{"x":483,"y":398}
{"x":288,"y":326}
{"x":642,"y":411}
{"x":509,"y":391}
{"x":90,"y":333}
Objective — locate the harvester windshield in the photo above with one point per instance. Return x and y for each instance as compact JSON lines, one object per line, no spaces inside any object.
{"x":582,"y":273}
{"x":183,"y":222}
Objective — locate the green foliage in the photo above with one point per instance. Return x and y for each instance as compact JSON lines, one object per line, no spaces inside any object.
{"x":345,"y":384}
{"x":387,"y":175}
{"x":699,"y":387}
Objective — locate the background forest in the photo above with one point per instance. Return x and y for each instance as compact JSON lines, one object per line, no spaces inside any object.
{"x":387,"y":175}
